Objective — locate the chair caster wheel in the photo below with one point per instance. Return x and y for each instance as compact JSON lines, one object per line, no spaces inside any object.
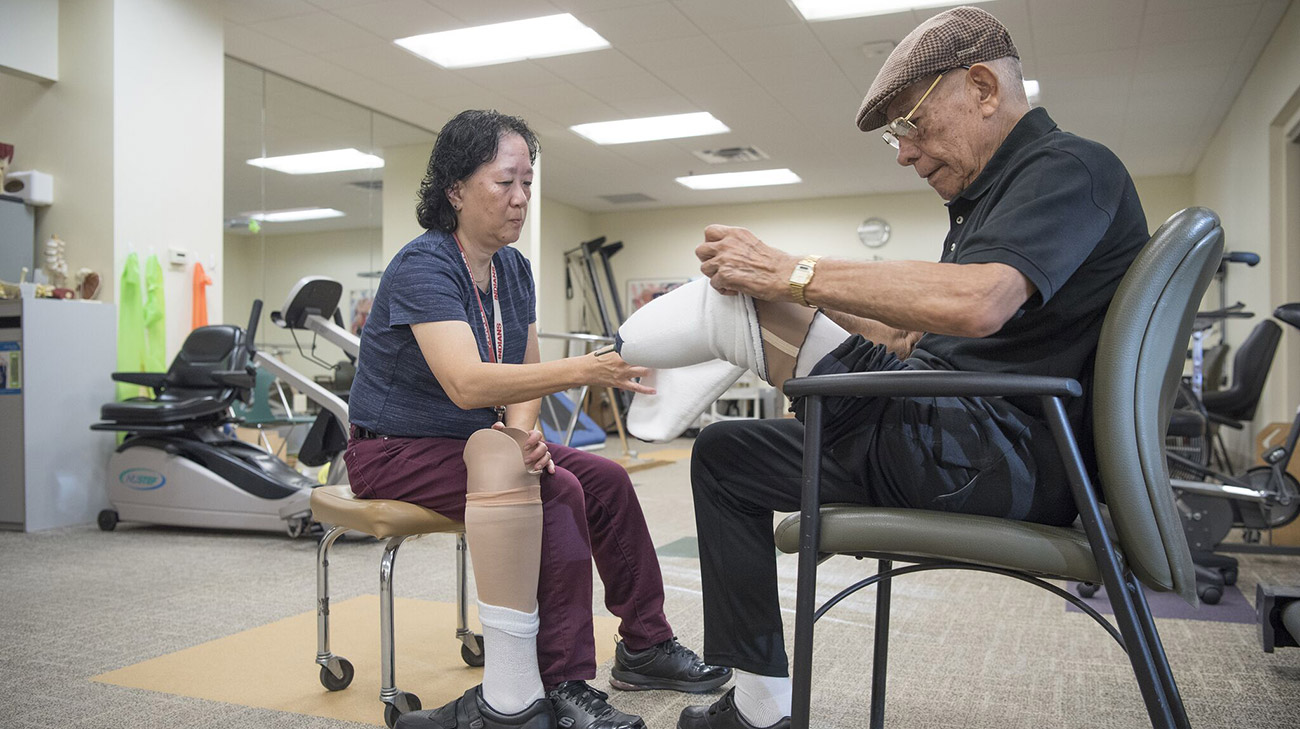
{"x":337,"y":683}
{"x":468,"y":656}
{"x":107,"y":520}
{"x":1229,"y":575}
{"x":1209,"y":594}
{"x":410,"y":701}
{"x":1086,"y":589}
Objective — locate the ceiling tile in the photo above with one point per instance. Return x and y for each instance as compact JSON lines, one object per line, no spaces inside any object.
{"x":399,"y":18}
{"x":497,"y":11}
{"x":769,"y":42}
{"x":314,"y":31}
{"x":593,"y":64}
{"x":640,"y":23}
{"x":1195,"y":54}
{"x":247,"y":44}
{"x":721,"y":16}
{"x":1083,"y":36}
{"x":1233,"y":21}
{"x":380,"y":60}
{"x":506,"y":77}
{"x":251,"y":11}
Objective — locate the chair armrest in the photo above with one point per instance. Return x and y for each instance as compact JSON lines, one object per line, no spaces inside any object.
{"x":234,"y":378}
{"x":1220,"y":420}
{"x":932,"y":383}
{"x":145,"y":379}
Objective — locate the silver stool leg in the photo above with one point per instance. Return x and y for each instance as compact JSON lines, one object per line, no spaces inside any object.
{"x":336,"y":673}
{"x":399,"y":702}
{"x":472,"y":644}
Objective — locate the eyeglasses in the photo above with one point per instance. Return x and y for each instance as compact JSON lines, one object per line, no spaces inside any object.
{"x":903,"y":126}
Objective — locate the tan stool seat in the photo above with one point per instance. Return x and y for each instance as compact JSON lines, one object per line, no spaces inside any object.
{"x":382,"y":518}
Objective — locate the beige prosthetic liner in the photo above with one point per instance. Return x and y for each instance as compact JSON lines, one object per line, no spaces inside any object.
{"x":503,"y":525}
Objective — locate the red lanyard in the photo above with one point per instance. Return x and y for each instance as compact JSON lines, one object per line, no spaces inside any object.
{"x":500,"y":339}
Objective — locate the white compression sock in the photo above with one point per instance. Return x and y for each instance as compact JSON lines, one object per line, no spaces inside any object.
{"x":823,"y":337}
{"x":511,"y":680}
{"x":762,"y":700}
{"x":692,"y":324}
{"x":681,"y":394}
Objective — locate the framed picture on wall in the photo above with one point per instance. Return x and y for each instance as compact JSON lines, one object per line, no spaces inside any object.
{"x":641,"y":291}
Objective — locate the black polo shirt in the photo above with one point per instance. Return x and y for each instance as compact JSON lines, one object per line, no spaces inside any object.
{"x":1063,"y":211}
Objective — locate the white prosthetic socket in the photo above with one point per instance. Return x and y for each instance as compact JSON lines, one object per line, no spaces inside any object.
{"x":503,"y":525}
{"x":681,"y":394}
{"x":691,"y":324}
{"x":700,"y":341}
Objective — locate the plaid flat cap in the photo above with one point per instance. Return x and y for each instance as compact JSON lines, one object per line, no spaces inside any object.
{"x":958,"y":37}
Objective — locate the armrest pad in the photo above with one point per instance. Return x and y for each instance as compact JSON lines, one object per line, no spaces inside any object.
{"x":146,"y":379}
{"x":932,"y":383}
{"x":234,"y":378}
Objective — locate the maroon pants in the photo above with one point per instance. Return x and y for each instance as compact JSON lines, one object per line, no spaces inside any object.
{"x":589,"y":511}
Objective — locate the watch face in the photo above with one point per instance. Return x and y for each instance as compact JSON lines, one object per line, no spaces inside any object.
{"x":873,"y":232}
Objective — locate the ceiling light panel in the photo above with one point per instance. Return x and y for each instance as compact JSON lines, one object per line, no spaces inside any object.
{"x":839,"y":9}
{"x":517,"y":40}
{"x":673,"y":126}
{"x":314,"y":163}
{"x":292,"y":215}
{"x":756,"y":178}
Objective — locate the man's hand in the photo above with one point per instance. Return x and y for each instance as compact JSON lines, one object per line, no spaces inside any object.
{"x":536,"y":454}
{"x":736,"y":261}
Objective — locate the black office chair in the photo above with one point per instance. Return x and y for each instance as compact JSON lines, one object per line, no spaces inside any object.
{"x":1139,"y":363}
{"x":1237,"y":403}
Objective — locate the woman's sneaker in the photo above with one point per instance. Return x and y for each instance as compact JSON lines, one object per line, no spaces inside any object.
{"x":579,"y":706}
{"x":669,"y":665}
{"x":470,"y":711}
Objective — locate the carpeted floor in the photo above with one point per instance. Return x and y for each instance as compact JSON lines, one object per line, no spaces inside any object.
{"x":967,"y":650}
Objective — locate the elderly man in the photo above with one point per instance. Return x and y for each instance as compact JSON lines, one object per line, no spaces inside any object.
{"x":1043,"y":224}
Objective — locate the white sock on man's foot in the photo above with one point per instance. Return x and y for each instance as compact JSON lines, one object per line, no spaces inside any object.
{"x":511,"y":680}
{"x":681,"y":394}
{"x":823,"y":337}
{"x":693,"y":324}
{"x":762,"y":700}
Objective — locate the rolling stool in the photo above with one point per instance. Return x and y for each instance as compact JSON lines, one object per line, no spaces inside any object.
{"x":394,"y":521}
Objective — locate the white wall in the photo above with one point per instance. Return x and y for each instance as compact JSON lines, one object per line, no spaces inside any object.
{"x":169,"y":93}
{"x":404,"y":168}
{"x":1242,"y":177}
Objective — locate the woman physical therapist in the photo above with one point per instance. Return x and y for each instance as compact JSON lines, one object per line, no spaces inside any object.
{"x":447,"y":391}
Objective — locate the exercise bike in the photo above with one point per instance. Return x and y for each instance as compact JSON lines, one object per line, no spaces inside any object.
{"x":1259,"y":499}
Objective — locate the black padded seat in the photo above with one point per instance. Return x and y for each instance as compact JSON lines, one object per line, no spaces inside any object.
{"x":188,"y":391}
{"x":1289,"y":313}
{"x":1249,"y":371}
{"x":1186,"y":424}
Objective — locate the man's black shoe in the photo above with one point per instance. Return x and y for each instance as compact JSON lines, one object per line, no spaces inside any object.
{"x":722,"y":714}
{"x":471,"y":711}
{"x":669,"y":665}
{"x":579,"y":706}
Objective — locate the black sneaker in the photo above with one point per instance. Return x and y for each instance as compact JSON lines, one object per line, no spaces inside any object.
{"x":579,"y":706}
{"x":471,"y":711}
{"x":669,"y":665}
{"x":722,"y":714}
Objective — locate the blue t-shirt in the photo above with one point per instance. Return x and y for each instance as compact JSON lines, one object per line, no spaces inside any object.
{"x":394,"y":392}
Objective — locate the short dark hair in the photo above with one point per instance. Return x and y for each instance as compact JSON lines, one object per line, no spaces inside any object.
{"x":465,"y":143}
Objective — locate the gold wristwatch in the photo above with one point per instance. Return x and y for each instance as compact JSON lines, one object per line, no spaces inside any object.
{"x":803,"y":273}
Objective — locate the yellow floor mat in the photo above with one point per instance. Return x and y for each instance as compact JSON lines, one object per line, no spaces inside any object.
{"x":273,"y":666}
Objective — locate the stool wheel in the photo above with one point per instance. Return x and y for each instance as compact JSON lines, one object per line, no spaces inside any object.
{"x":403,"y":698}
{"x":336,"y":683}
{"x":468,"y":656}
{"x":107,"y":520}
{"x":1087,"y":589}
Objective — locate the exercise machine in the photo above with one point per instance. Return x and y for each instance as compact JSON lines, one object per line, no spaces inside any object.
{"x":179,"y":465}
{"x":1260,"y":499}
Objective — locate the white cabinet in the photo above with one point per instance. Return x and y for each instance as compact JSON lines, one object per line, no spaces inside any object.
{"x":52,"y":466}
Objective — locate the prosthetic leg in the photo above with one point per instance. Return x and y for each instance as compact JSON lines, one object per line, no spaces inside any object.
{"x":503,"y":525}
{"x":700,"y":341}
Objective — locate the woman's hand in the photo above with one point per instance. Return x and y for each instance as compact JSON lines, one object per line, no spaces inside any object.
{"x":608,"y":369}
{"x":536,"y":455}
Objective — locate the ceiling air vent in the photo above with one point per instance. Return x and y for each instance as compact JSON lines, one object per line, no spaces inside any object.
{"x":368,"y":184}
{"x":727,"y":155}
{"x":627,"y":197}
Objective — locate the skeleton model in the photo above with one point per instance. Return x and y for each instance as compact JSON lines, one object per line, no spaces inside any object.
{"x":56,"y":268}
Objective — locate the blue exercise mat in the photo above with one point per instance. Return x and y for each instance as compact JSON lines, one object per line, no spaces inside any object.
{"x":557,"y":410}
